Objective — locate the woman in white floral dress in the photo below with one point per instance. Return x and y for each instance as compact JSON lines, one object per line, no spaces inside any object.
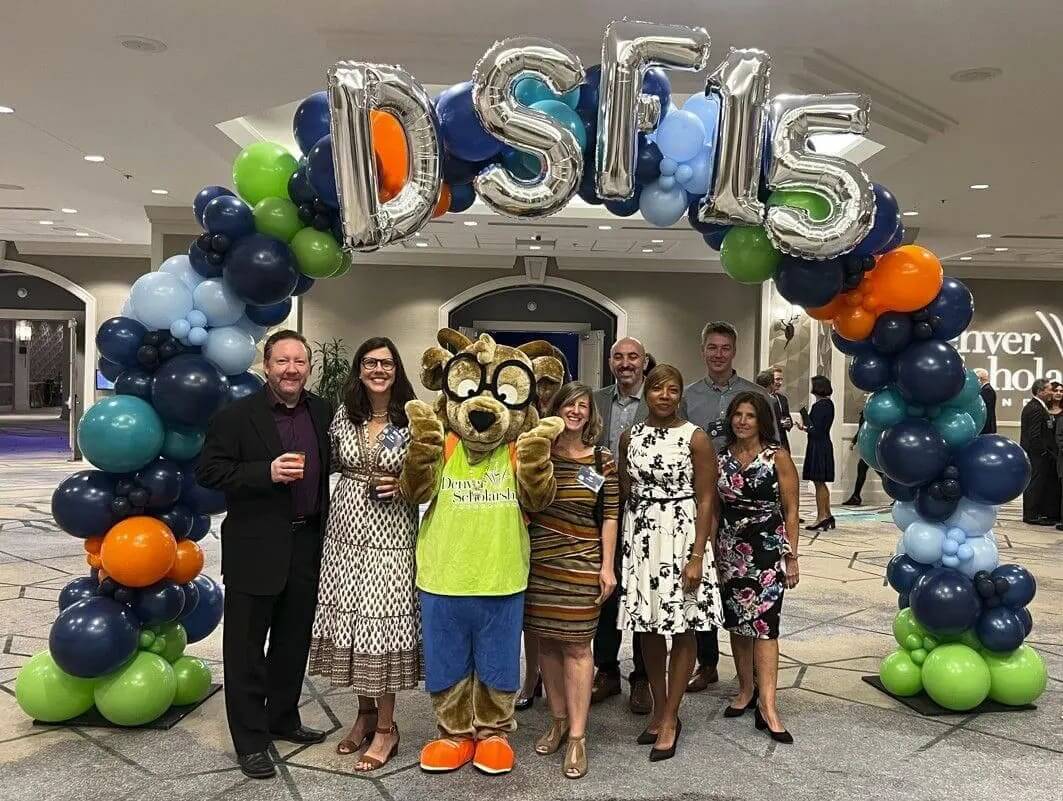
{"x":668,"y":484}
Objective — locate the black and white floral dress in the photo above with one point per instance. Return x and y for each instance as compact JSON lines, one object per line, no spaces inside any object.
{"x":659,"y":537}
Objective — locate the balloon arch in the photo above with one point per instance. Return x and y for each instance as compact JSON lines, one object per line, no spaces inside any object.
{"x":532,"y":129}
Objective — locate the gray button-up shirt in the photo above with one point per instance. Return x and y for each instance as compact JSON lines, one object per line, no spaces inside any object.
{"x":705,"y":405}
{"x":624,"y":411}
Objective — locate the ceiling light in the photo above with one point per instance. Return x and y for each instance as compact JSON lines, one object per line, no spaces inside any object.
{"x":142,"y":44}
{"x":1000,"y":250}
{"x":81,"y":233}
{"x":983,"y":236}
{"x":94,"y":159}
{"x":979,"y":186}
{"x":647,"y":250}
{"x":976,"y":74}
{"x":420,"y":244}
{"x":657,"y":241}
{"x":11,"y":187}
{"x":69,"y":211}
{"x":470,"y":223}
{"x":535,"y":247}
{"x":46,"y":222}
{"x":160,"y":191}
{"x":966,"y":258}
{"x":605,"y":228}
{"x":911,"y":214}
{"x":6,"y":110}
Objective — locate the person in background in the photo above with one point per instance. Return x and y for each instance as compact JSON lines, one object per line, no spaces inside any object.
{"x":1052,"y":491}
{"x":861,"y":467}
{"x":650,"y":363}
{"x":989,"y":396}
{"x":705,"y":404}
{"x":367,"y":630}
{"x":1033,"y":436}
{"x":573,"y":542}
{"x":819,"y":455}
{"x":771,"y":381}
{"x":620,"y":406}
{"x":758,"y":554}
{"x":668,"y":488}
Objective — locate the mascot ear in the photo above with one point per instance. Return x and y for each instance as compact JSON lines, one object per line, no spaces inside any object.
{"x":453,"y":341}
{"x":548,"y":371}
{"x":432,"y":363}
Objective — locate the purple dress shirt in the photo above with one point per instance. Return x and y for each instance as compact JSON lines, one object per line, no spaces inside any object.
{"x":296,"y":430}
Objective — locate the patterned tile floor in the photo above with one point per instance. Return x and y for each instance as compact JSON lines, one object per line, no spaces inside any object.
{"x":852,"y":742}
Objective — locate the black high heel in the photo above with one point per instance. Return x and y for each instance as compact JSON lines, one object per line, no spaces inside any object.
{"x":826,"y":524}
{"x":661,"y":754}
{"x":523,"y":703}
{"x":738,"y":711}
{"x":778,"y":736}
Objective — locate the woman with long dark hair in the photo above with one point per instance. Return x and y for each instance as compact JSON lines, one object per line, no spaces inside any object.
{"x":367,"y":629}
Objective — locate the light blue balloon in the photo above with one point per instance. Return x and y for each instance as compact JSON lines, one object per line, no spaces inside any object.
{"x":950,"y":560}
{"x":950,"y":547}
{"x":965,"y":552}
{"x":957,"y":535}
{"x":866,"y":443}
{"x":230,"y":349}
{"x":885,"y":408}
{"x":924,"y":542}
{"x":566,"y":116}
{"x":159,"y":299}
{"x":218,"y":303}
{"x":669,"y":166}
{"x":707,"y":109}
{"x":197,"y":319}
{"x":197,"y":336}
{"x":701,"y":169}
{"x":530,"y":90}
{"x":955,"y":426}
{"x":666,"y":182}
{"x":179,"y":328}
{"x":974,"y":518}
{"x":680,"y":135}
{"x":904,"y":514}
{"x":984,"y":556}
{"x":256,"y":331}
{"x":181,"y":268}
{"x":683,"y":173}
{"x":662,"y":207}
{"x":120,"y":434}
{"x":128,"y":310}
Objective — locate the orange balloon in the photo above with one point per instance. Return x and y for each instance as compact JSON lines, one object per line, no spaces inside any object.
{"x":443,"y":204}
{"x":905,"y":279}
{"x":389,"y":144}
{"x":188,"y":563}
{"x":854,"y":323}
{"x":138,"y":551}
{"x":828,"y":312}
{"x":93,"y":544}
{"x":93,"y":560}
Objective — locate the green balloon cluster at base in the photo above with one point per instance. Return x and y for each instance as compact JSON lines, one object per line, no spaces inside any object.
{"x":193,"y":680}
{"x":277,"y":217}
{"x":48,"y":694}
{"x":748,"y":256}
{"x":816,"y":205}
{"x":174,"y":640}
{"x":1016,"y":678}
{"x":900,"y":675}
{"x":956,"y":677}
{"x":317,"y":253}
{"x":138,"y":692}
{"x":262,"y":170}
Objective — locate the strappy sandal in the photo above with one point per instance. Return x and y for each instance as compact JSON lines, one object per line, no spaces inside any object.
{"x":555,"y":735}
{"x":347,"y":746}
{"x":575,"y":764}
{"x":372,"y":763}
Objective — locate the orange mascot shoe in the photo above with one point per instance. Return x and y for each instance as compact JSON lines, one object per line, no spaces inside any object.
{"x":445,"y":754}
{"x":494,"y":755}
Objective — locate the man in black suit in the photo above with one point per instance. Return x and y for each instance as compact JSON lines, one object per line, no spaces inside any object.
{"x":269,"y":454}
{"x":771,"y":380}
{"x":1033,"y":436}
{"x":989,"y":395}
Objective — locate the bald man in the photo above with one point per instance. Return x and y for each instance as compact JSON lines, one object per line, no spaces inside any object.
{"x":989,"y":395}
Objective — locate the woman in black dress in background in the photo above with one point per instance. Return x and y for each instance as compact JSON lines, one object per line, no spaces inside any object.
{"x":819,"y":455}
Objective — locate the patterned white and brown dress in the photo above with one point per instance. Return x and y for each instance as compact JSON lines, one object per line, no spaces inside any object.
{"x":367,"y":628}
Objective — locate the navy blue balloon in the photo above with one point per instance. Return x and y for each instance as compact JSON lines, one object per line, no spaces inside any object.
{"x":590,"y":130}
{"x":903,"y":602}
{"x":201,"y":264}
{"x":199,"y":499}
{"x":1021,"y":585}
{"x":851,"y":347}
{"x":93,"y":637}
{"x":887,"y":218}
{"x":892,"y":332}
{"x":81,"y":504}
{"x":929,"y":373}
{"x":110,"y":370}
{"x":160,"y":603}
{"x":912,"y":452}
{"x":187,"y":390}
{"x":945,"y":602}
{"x":934,"y":509}
{"x":179,"y":519}
{"x":118,"y":340}
{"x":463,"y":134}
{"x":1026,"y":618}
{"x":809,"y":283}
{"x":953,"y":307}
{"x":204,"y":196}
{"x":656,"y":83}
{"x":270,"y":315}
{"x":625,"y":208}
{"x":191,"y":593}
{"x":588,"y":191}
{"x":702,"y":228}
{"x":200,"y":528}
{"x":321,"y":172}
{"x":648,"y":161}
{"x":715,"y":239}
{"x":870,"y":371}
{"x":206,"y":614}
{"x":462,"y":196}
{"x":229,"y":216}
{"x":993,"y":469}
{"x":304,"y":284}
{"x":260,"y":270}
{"x":457,"y":172}
{"x":311,"y":121}
{"x":299,"y":189}
{"x":134,"y":382}
{"x":899,"y":492}
{"x":902,"y":572}
{"x":588,"y":91}
{"x":77,"y":590}
{"x":1000,"y":629}
{"x":162,"y":479}
{"x":896,"y":240}
{"x":244,"y":384}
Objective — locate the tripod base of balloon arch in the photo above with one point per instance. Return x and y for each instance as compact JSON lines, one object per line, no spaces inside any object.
{"x":926,"y":706}
{"x":167,"y":720}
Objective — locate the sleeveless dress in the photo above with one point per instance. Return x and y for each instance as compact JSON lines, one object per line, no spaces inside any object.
{"x":752,"y":543}
{"x":367,"y":627}
{"x":659,"y":537}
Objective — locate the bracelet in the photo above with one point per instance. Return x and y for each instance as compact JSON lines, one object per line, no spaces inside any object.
{"x":697,"y":555}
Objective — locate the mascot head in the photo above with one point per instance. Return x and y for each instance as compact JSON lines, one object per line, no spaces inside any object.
{"x":488,"y":391}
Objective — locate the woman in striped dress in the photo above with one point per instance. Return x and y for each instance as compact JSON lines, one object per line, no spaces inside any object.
{"x":572,"y":546}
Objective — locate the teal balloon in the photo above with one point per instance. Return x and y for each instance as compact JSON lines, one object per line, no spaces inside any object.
{"x":182,"y":446}
{"x":885,"y":408}
{"x":956,"y":427}
{"x":971,"y":390}
{"x":978,"y":412}
{"x":566,"y":116}
{"x":138,"y":692}
{"x":48,"y":694}
{"x":530,"y":90}
{"x":120,"y":434}
{"x":866,"y":440}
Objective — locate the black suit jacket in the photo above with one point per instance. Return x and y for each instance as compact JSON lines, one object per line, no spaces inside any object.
{"x":781,"y":405}
{"x":989,"y":395}
{"x":1034,"y":430}
{"x":256,"y":535}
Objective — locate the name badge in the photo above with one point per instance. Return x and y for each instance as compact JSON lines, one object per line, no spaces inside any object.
{"x":717,"y":428}
{"x":590,"y":478}
{"x":394,"y":438}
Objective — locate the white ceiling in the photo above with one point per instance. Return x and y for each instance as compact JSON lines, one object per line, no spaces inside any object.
{"x":155,"y":117}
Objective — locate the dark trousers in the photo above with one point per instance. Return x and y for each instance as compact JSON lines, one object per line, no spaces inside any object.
{"x":262,"y":687}
{"x":607,"y":637}
{"x":1040,"y":499}
{"x":708,"y":649}
{"x":861,"y":477}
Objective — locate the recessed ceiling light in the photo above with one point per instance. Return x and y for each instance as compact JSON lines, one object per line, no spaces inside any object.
{"x":966,"y":258}
{"x":470,"y":223}
{"x":979,"y":186}
{"x":605,"y":228}
{"x":69,"y":211}
{"x":421,"y":244}
{"x":418,"y":234}
{"x":983,"y":236}
{"x":81,"y":233}
{"x":535,"y":247}
{"x":142,"y":44}
{"x":46,"y":222}
{"x":160,"y":191}
{"x":647,"y":250}
{"x":11,"y":187}
{"x":976,"y":74}
{"x":6,"y":110}
{"x":911,"y":214}
{"x":657,"y":241}
{"x":1000,"y":250}
{"x":94,"y":159}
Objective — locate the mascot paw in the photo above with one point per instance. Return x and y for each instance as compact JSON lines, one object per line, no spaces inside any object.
{"x":425,"y":426}
{"x":548,"y":428}
{"x":534,"y":446}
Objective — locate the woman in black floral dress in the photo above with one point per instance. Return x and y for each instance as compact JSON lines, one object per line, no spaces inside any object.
{"x":757,"y":545}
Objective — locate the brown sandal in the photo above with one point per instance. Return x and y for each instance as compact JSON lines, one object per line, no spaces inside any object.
{"x":347,"y":746}
{"x":554,"y":737}
{"x":575,"y":764}
{"x":372,"y":763}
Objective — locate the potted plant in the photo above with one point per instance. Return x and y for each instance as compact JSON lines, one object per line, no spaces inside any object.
{"x":333,"y":369}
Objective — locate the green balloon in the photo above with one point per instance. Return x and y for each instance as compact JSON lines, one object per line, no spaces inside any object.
{"x":193,"y":680}
{"x":900,"y":675}
{"x":885,"y":408}
{"x":147,"y":639}
{"x":262,"y":170}
{"x":182,"y":446}
{"x":904,"y":626}
{"x":918,"y":655}
{"x":120,"y":433}
{"x":930,"y":643}
{"x":345,"y":267}
{"x":48,"y":694}
{"x":138,"y":692}
{"x":970,"y":639}
{"x":815,"y":204}
{"x":176,"y":640}
{"x":912,"y":641}
{"x":955,"y":426}
{"x":277,"y":217}
{"x":317,"y":253}
{"x":748,"y":256}
{"x":867,"y":442}
{"x":1017,"y":677}
{"x":956,"y":677}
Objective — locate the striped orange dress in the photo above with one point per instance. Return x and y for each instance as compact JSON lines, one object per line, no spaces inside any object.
{"x":566,"y":555}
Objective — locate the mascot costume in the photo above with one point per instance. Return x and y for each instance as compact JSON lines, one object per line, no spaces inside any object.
{"x":481,"y":458}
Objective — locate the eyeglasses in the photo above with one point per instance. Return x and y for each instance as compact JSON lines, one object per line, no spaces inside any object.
{"x":387,"y":365}
{"x":509,"y":375}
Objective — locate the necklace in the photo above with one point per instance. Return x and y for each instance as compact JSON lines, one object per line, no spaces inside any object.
{"x":380,"y":415}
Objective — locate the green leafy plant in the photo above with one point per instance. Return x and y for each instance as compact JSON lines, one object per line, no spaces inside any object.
{"x":333,"y":366}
